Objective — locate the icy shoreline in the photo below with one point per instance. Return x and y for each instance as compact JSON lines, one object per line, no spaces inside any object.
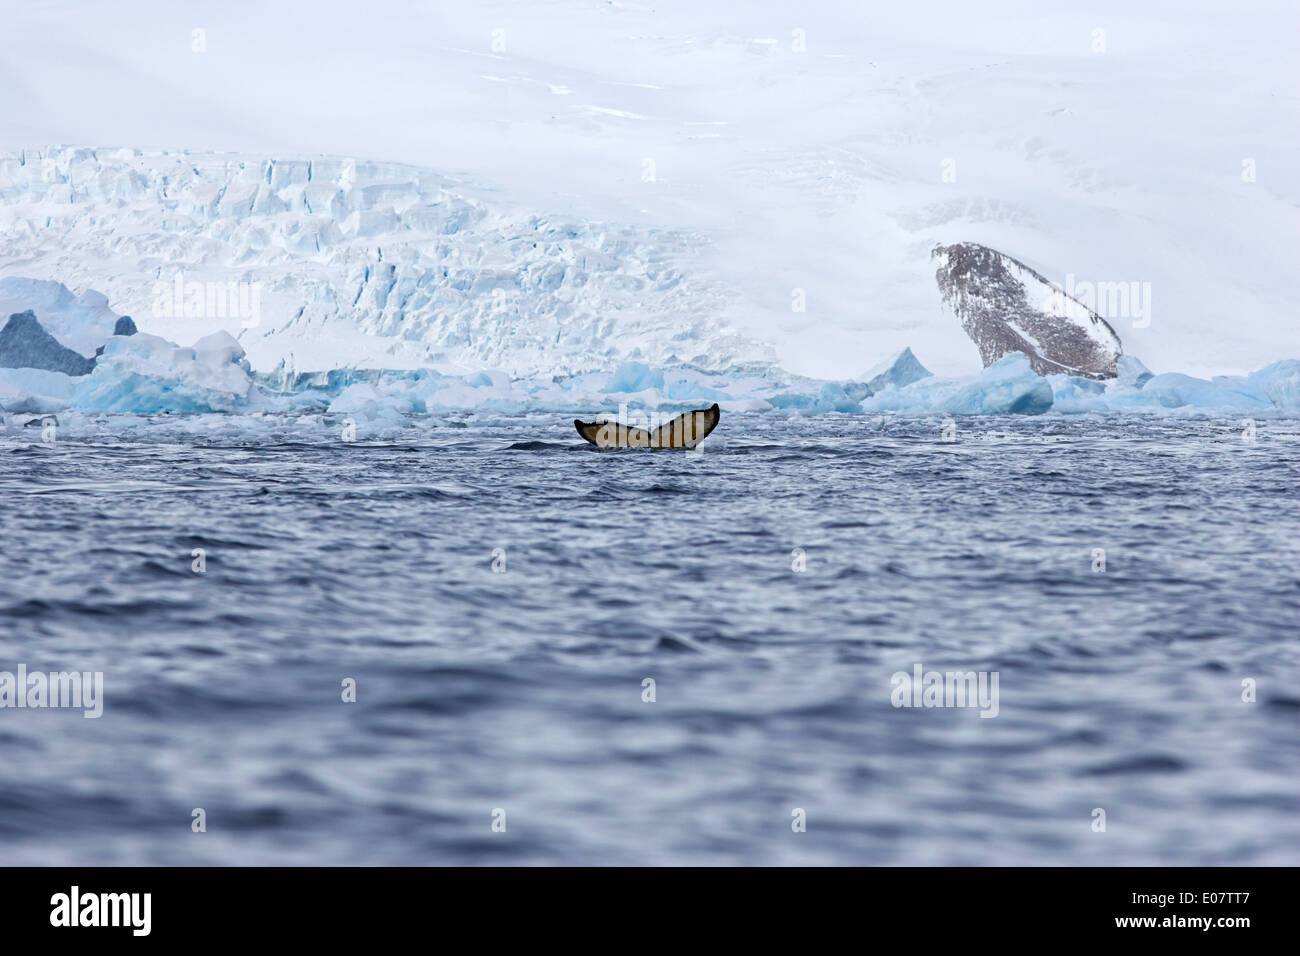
{"x":133,"y":372}
{"x":145,"y":375}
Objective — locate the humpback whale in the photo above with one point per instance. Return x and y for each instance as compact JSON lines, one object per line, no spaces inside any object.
{"x":685,"y":431}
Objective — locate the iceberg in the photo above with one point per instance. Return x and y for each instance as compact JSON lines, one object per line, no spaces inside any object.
{"x":830,"y":397}
{"x":684,"y":390}
{"x":921,"y":397}
{"x":148,"y":374}
{"x":34,"y":390}
{"x":1132,"y":373}
{"x":1072,"y":394}
{"x":1175,"y":390}
{"x":1279,"y":383}
{"x":901,"y":370}
{"x":1009,"y":386}
{"x":368,"y":403}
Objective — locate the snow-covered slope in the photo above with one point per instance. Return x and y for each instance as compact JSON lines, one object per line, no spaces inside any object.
{"x":793,"y":164}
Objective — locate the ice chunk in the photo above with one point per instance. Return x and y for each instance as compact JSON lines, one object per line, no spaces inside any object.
{"x":368,"y":403}
{"x":24,"y":343}
{"x":34,"y":390}
{"x":147,"y":374}
{"x":819,"y":398}
{"x":922,"y":397}
{"x":1009,"y":386}
{"x":1279,"y":383}
{"x":1132,"y":373}
{"x":1175,"y":390}
{"x":1073,"y":395}
{"x":635,"y":377}
{"x":694,"y":391}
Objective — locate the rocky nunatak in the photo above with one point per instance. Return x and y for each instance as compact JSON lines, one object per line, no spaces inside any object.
{"x":1005,"y":307}
{"x":25,"y":343}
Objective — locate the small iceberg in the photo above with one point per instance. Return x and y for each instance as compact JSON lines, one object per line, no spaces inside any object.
{"x":1009,"y":386}
{"x":147,"y":374}
{"x":900,"y":371}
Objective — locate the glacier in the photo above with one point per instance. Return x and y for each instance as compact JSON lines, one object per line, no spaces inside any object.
{"x":385,"y":264}
{"x":438,"y":295}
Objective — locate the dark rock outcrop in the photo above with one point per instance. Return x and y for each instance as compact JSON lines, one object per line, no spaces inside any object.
{"x":24,"y":343}
{"x":1005,"y":307}
{"x":124,"y":326}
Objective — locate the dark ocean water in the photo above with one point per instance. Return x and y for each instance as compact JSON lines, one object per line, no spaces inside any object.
{"x":522,"y":690}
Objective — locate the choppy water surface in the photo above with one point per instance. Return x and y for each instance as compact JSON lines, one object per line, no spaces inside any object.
{"x":373,"y":560}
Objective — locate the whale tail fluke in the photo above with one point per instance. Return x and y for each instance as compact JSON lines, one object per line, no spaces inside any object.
{"x":685,"y":431}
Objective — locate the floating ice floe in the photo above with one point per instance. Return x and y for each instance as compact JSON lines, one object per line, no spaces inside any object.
{"x":1279,"y":383}
{"x":1175,"y":390}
